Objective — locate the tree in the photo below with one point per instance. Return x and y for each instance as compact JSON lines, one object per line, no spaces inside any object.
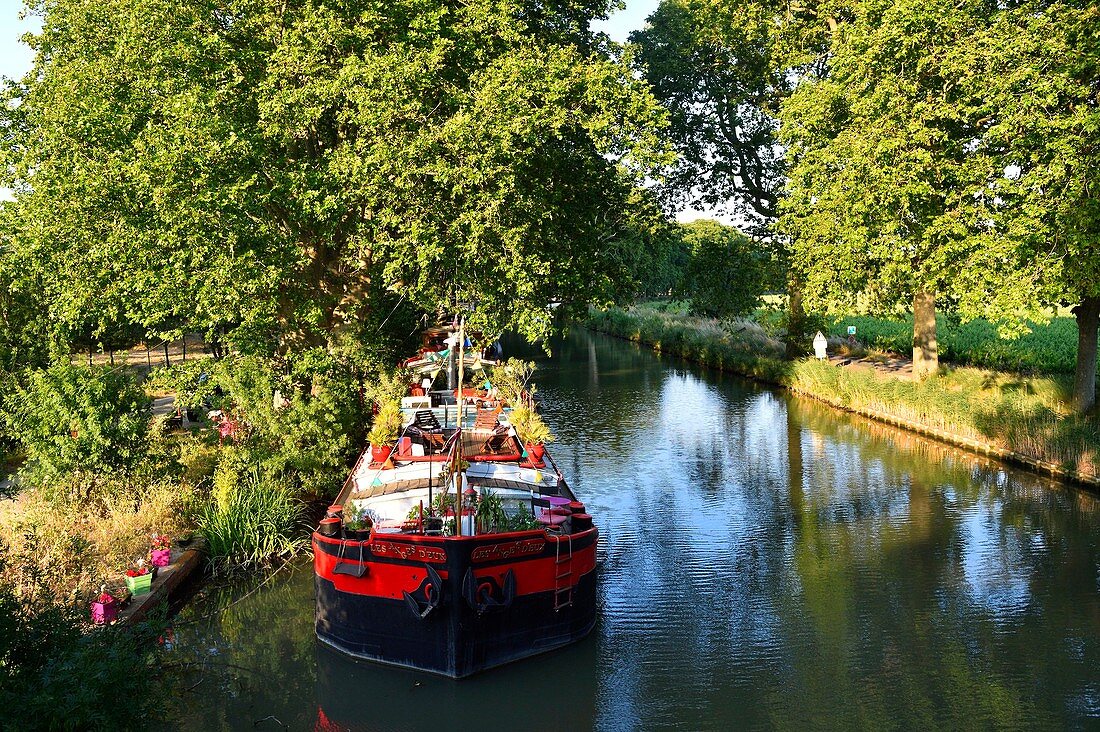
{"x":888,"y":196}
{"x":283,"y":167}
{"x":1043,"y":124}
{"x":722,"y":71}
{"x":726,"y":273}
{"x":714,"y":71}
{"x":78,"y":424}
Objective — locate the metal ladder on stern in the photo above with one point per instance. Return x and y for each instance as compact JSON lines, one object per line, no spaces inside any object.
{"x":563,"y":573}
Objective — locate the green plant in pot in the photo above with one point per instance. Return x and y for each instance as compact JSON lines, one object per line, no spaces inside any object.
{"x":510,"y":380}
{"x":357,"y":523}
{"x":490,"y":516}
{"x":532,"y":430}
{"x":384,"y":431}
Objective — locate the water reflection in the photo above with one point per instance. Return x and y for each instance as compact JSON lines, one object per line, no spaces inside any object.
{"x":766,"y":563}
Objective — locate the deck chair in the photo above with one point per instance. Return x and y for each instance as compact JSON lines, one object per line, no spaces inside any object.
{"x":495,"y":436}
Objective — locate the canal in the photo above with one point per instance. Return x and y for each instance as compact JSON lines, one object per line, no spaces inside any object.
{"x":766,"y":563}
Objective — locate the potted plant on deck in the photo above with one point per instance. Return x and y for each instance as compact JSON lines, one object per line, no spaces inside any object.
{"x":105,"y":608}
{"x":490,"y":516}
{"x":383,"y":433}
{"x":357,"y":523}
{"x":532,"y":430}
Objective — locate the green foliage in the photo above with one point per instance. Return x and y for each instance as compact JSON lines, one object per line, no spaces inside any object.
{"x":512,"y":379}
{"x":253,"y":517}
{"x":724,"y":129}
{"x":490,"y":515}
{"x":316,"y":165}
{"x":78,"y":425}
{"x":522,"y":520}
{"x":726,"y":273}
{"x":530,"y":426}
{"x":54,"y":674}
{"x":310,"y":437}
{"x":741,"y":346}
{"x":1047,"y":348}
{"x":889,"y":192}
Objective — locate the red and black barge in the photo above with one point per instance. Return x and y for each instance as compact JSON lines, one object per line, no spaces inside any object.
{"x":477,"y":554}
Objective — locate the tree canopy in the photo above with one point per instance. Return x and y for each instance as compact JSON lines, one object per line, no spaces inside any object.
{"x":288,"y":169}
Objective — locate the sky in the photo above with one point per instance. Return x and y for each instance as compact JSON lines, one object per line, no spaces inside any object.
{"x":15,"y":57}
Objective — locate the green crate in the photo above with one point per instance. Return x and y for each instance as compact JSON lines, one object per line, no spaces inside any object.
{"x":139,"y":585}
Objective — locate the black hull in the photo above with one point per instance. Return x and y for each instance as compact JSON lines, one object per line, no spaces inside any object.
{"x":453,"y":640}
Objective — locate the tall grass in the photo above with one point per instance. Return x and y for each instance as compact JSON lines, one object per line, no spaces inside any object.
{"x":252,"y":519}
{"x":1025,"y":415}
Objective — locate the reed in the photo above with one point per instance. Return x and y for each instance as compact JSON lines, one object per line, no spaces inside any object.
{"x":252,"y":520}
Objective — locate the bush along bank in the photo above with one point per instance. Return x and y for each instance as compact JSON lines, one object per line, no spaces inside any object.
{"x":1023,"y":420}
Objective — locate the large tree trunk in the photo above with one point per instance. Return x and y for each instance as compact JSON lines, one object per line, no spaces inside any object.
{"x":1084,"y":379}
{"x":796,"y":318}
{"x":926,"y":355}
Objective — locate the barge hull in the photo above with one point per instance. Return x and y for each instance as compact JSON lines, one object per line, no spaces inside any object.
{"x":454,"y":639}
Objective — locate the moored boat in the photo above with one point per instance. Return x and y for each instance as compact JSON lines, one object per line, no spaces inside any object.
{"x":478,"y":552}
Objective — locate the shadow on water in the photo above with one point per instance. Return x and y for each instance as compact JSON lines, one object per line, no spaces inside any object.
{"x":766,"y":563}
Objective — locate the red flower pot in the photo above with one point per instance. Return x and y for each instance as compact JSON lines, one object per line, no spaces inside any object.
{"x":535,"y":452}
{"x":380,"y":454}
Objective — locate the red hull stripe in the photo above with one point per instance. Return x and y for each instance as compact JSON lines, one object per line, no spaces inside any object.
{"x":533,"y":575}
{"x":484,"y":550}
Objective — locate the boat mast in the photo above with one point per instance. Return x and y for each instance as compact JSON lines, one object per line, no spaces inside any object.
{"x":458,"y":442}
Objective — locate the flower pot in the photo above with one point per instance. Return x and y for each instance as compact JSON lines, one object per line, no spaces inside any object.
{"x":356,"y":534}
{"x":380,"y":454}
{"x":536,"y":451}
{"x":106,"y":612}
{"x":141,"y":584}
{"x":160,"y":557}
{"x":329,"y":526}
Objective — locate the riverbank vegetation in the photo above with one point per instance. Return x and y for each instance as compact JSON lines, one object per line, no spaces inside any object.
{"x":1027,"y":415}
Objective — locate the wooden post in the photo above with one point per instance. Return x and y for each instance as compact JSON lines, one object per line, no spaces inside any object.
{"x":166,"y":361}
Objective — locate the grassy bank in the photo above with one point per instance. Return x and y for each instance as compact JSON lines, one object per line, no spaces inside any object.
{"x":1025,"y":416}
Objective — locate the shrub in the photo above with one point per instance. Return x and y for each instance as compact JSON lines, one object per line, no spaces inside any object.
{"x":252,"y":517}
{"x":71,"y":552}
{"x":55,"y":675}
{"x":77,"y":425}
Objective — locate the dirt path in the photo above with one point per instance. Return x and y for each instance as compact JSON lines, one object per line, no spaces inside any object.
{"x":901,"y":368}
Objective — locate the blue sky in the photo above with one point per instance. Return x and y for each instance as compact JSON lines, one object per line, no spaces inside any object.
{"x":15,"y":57}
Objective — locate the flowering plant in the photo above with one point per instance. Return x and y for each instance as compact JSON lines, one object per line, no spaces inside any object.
{"x":138,"y":569}
{"x":105,"y":598}
{"x":160,"y":542}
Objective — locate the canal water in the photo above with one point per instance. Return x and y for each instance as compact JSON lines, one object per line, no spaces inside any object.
{"x":766,"y":563}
